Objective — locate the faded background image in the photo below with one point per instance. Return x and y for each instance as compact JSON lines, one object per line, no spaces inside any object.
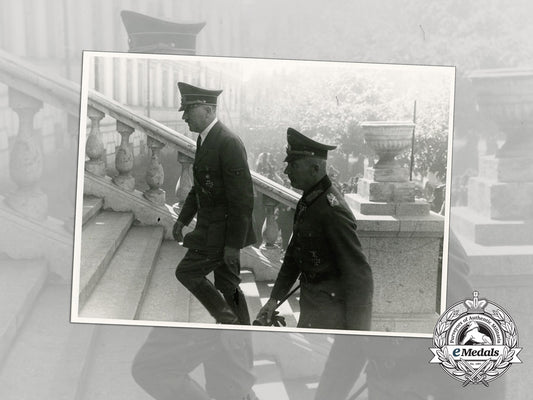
{"x":42,"y":355}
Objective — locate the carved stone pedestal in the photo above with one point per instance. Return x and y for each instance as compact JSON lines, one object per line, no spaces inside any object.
{"x":400,"y":236}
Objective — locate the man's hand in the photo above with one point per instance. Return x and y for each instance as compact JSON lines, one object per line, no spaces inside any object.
{"x":177,"y":231}
{"x":267,"y":311}
{"x":232,"y":257}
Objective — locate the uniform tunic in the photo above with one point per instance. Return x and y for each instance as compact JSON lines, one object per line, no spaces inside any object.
{"x":222,"y":194}
{"x":222,"y":200}
{"x":336,"y":279}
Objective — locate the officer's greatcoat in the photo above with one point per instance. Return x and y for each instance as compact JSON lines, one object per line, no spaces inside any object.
{"x":222,"y":195}
{"x":336,"y":279}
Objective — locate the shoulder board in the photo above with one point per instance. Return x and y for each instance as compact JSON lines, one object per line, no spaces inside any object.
{"x":332,"y":200}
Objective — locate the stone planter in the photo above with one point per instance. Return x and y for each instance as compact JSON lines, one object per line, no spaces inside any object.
{"x":388,"y":139}
{"x":506,"y":97}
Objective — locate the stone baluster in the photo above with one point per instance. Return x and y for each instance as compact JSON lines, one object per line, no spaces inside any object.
{"x":71,"y":161}
{"x":155,"y":174}
{"x":184,"y":185}
{"x":124,"y":159}
{"x":94,"y":148}
{"x":26,"y":159}
{"x":270,"y":228}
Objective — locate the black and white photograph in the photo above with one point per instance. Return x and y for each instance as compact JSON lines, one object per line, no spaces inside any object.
{"x":130,"y":105}
{"x":277,"y":194}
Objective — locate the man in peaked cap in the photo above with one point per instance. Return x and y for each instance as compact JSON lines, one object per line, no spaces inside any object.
{"x":324,"y":251}
{"x":222,"y":200}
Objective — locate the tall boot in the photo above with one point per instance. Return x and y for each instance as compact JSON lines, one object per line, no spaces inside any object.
{"x":237,"y":302}
{"x":211,"y":299}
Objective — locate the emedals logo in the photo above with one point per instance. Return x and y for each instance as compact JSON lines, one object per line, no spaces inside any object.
{"x":475,"y":341}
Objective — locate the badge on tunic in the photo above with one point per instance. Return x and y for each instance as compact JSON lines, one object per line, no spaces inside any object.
{"x":332,"y":200}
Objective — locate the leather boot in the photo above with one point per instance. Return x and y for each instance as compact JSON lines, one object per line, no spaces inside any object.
{"x":237,"y":302}
{"x":211,"y":299}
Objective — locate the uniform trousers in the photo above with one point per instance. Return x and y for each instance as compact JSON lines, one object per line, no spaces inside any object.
{"x":163,"y":364}
{"x":192,"y":272}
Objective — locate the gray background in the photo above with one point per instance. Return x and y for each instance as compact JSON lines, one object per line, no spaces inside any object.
{"x":43,"y":356}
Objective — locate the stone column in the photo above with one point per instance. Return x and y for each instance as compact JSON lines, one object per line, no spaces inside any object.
{"x":26,"y":159}
{"x":184,"y":184}
{"x":94,"y":147}
{"x":72,"y":155}
{"x":124,"y":159}
{"x":270,"y":228}
{"x":155,"y":174}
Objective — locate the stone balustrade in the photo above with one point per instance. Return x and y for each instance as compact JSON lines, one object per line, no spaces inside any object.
{"x":159,"y":136}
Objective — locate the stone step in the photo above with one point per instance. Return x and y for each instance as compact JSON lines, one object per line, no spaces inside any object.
{"x":100,"y":238}
{"x":166,"y":299}
{"x":108,"y":375}
{"x":297,"y":355}
{"x":48,"y":356}
{"x":509,"y":261}
{"x":269,"y":383}
{"x":250,"y":289}
{"x":122,"y":287}
{"x":489,"y":232}
{"x":302,"y":388}
{"x":20,"y":284}
{"x":91,"y":206}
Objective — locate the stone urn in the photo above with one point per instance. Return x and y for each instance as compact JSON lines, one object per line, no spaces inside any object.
{"x":388,"y":139}
{"x":506,"y":97}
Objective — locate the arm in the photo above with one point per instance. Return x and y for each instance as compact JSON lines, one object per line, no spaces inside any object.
{"x":189,"y":209}
{"x":187,"y":213}
{"x":356,"y":275}
{"x":285,"y":280}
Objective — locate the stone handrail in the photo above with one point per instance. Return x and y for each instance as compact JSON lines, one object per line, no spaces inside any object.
{"x":185,"y":145}
{"x":25,"y":78}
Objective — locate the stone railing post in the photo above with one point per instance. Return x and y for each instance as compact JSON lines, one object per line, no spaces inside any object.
{"x":124,"y":159}
{"x":155,"y":174}
{"x":26,"y":160}
{"x":94,"y":148}
{"x":72,"y":159}
{"x":184,"y":185}
{"x":270,"y":228}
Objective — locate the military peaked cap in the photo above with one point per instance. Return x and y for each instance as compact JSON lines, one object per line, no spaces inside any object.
{"x":194,"y":95}
{"x":149,"y":34}
{"x":299,"y":146}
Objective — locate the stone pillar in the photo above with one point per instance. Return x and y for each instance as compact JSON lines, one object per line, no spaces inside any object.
{"x":124,"y":159}
{"x":94,"y":147}
{"x":270,"y":232}
{"x":270,"y":228}
{"x":26,"y":159}
{"x":72,"y":155}
{"x":496,"y":227}
{"x":400,"y":236}
{"x":184,"y":184}
{"x":155,"y":174}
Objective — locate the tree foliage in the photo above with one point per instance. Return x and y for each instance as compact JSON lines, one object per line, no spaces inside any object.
{"x":328,"y":105}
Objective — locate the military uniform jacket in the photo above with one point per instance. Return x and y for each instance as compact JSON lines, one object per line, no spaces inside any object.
{"x":336,"y":279}
{"x":221,"y":196}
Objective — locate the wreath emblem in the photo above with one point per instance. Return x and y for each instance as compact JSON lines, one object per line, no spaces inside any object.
{"x":475,"y":341}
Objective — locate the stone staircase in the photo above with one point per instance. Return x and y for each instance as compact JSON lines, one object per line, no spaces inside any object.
{"x":68,"y":361}
{"x":127,"y":273}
